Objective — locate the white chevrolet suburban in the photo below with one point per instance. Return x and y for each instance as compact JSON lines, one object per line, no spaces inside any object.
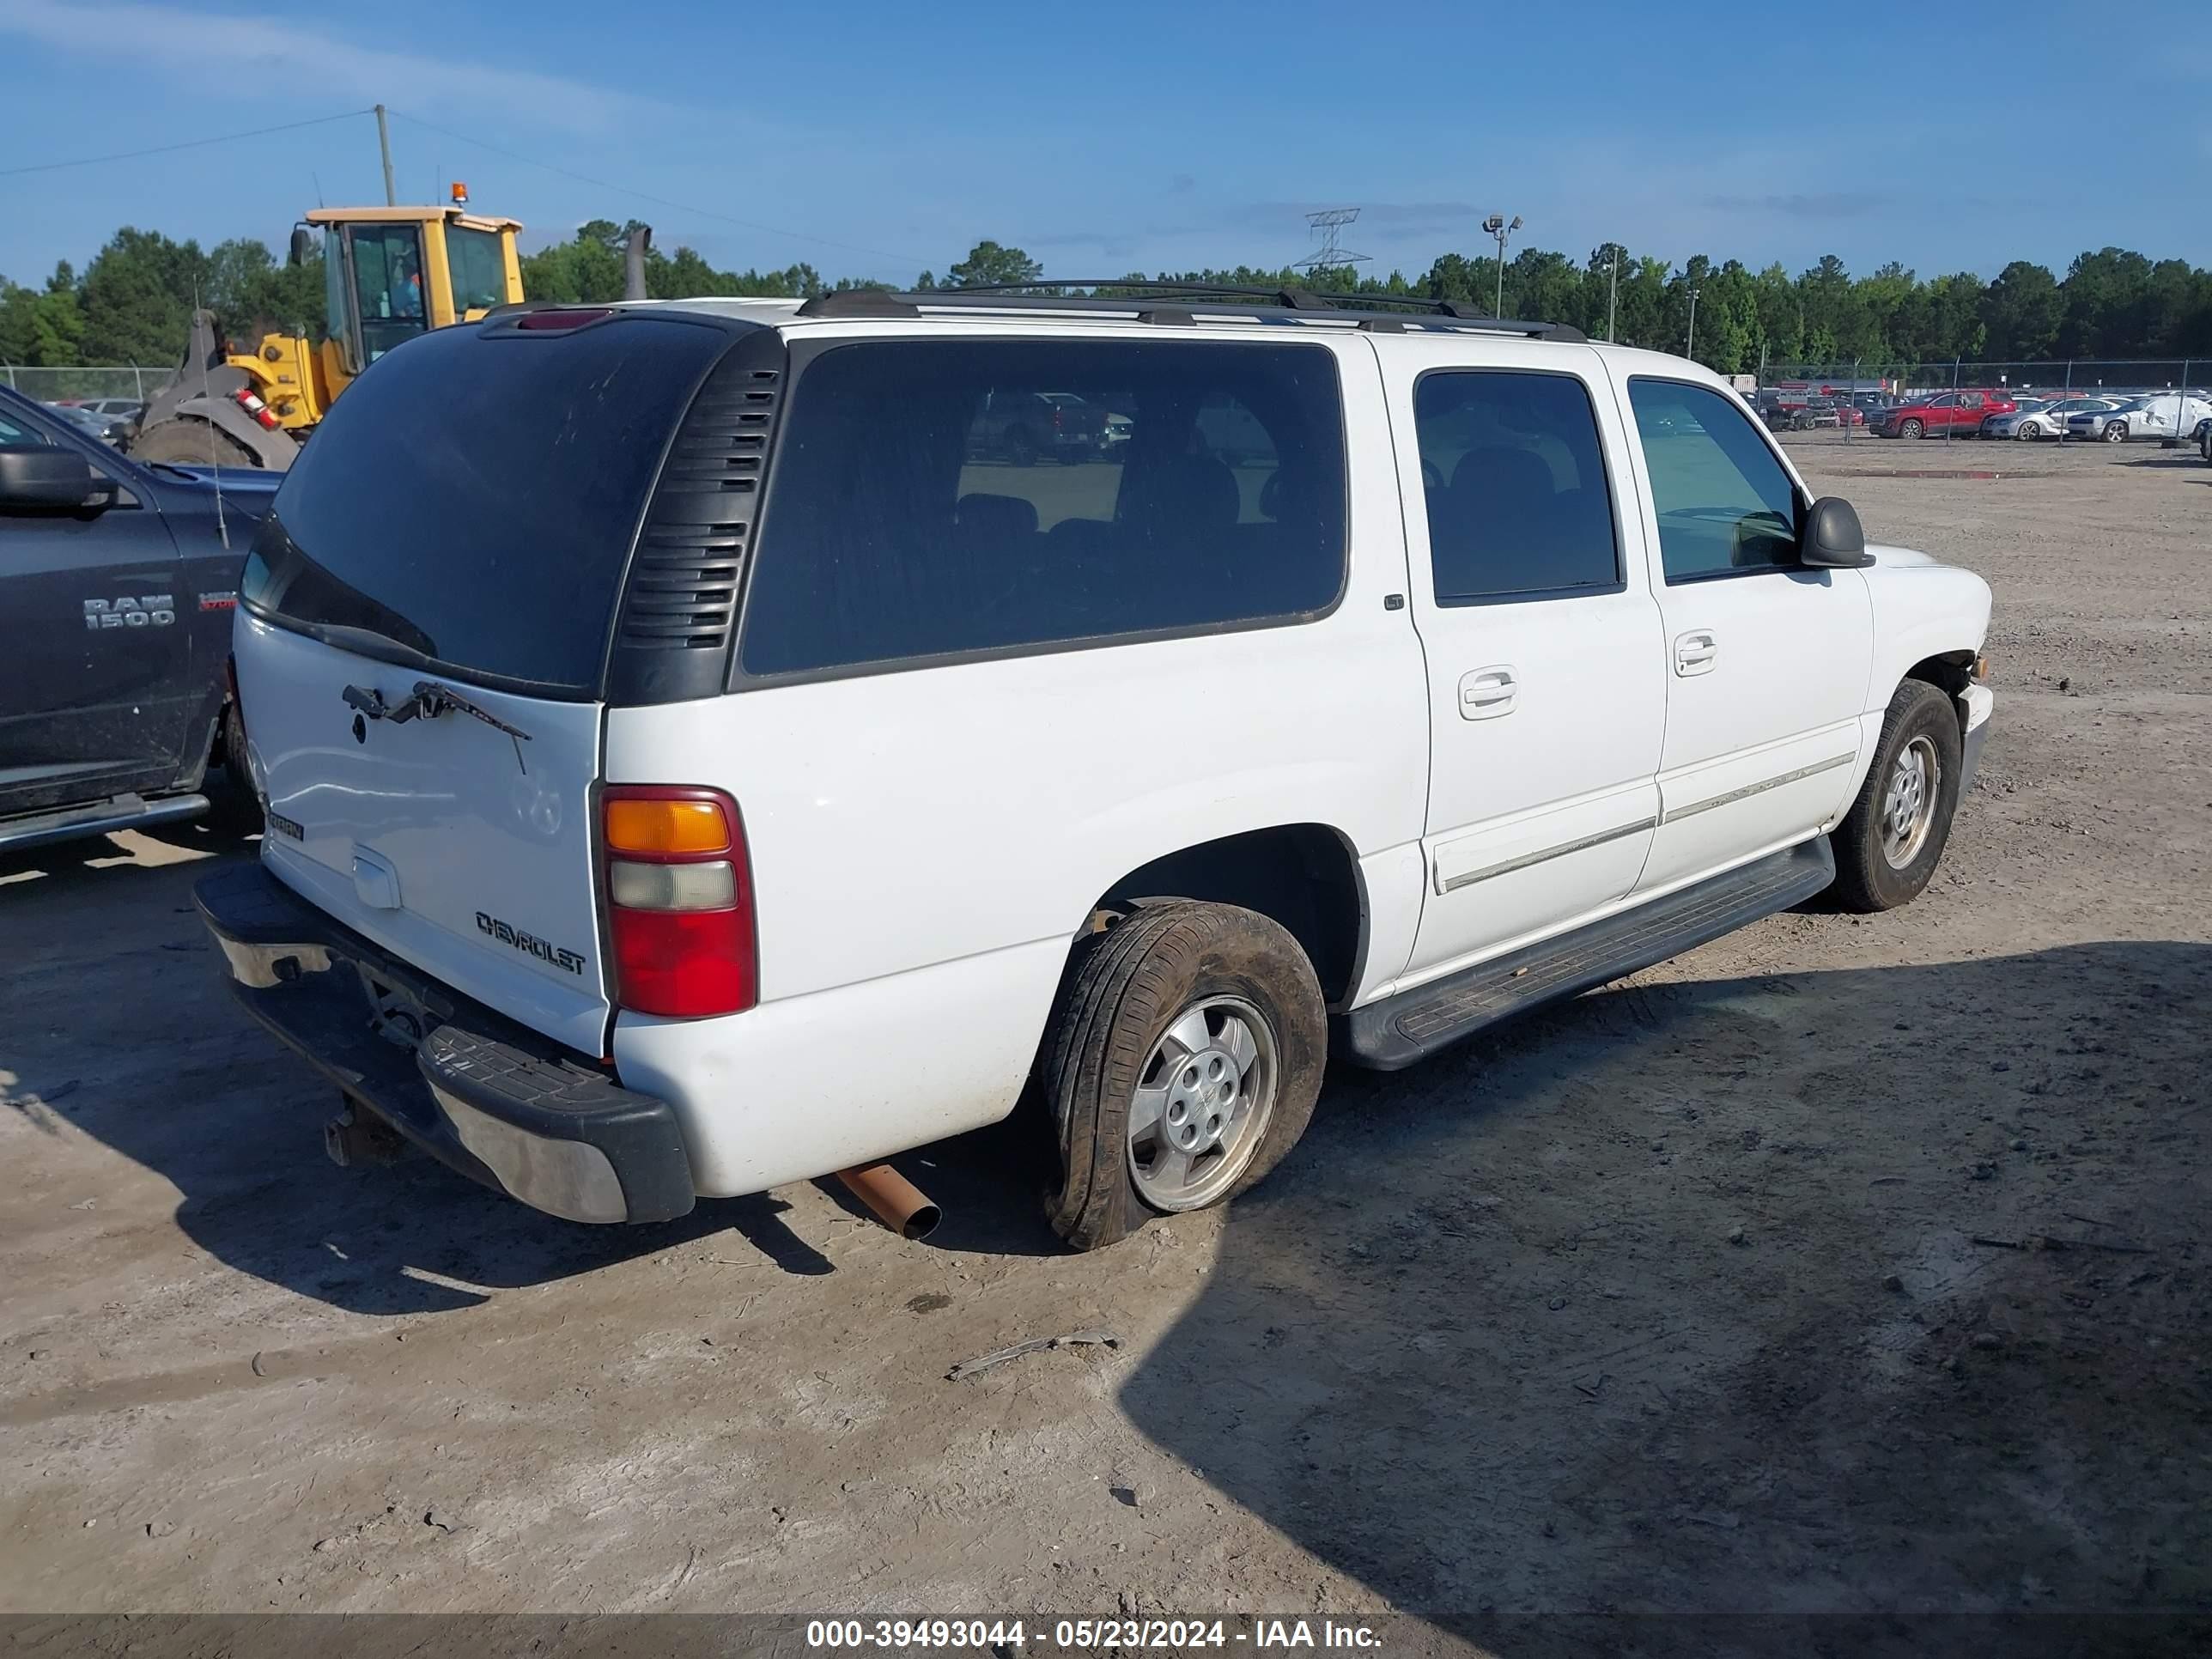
{"x":701,"y":752}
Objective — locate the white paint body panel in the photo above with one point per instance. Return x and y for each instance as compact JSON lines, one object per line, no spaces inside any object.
{"x":1570,"y":760}
{"x":926,"y":844}
{"x":444,"y":819}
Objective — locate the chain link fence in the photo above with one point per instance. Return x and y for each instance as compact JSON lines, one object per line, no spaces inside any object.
{"x":1804,"y":395}
{"x":49,"y":386}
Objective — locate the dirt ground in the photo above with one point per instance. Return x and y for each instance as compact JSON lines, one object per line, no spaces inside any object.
{"x":1713,"y":1292}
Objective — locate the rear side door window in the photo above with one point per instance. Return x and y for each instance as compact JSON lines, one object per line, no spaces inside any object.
{"x":936,"y":499}
{"x":1515,"y":487}
{"x":1724,"y":503}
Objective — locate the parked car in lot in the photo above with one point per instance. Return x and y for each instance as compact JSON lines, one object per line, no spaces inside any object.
{"x":116,"y":595}
{"x":105,"y":429}
{"x":1019,"y":427}
{"x":116,"y":409}
{"x":1506,"y":665}
{"x":2134,"y":419}
{"x":1946,"y":411}
{"x":2035,"y":418}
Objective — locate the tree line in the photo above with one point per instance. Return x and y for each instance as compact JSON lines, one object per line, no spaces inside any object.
{"x":133,"y":302}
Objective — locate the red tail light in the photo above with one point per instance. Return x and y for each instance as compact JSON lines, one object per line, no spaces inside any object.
{"x":679,"y":900}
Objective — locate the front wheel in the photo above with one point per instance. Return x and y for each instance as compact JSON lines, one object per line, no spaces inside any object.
{"x":1910,"y":429}
{"x":1889,"y":843}
{"x":2116,"y":432}
{"x":2026,"y":430}
{"x":1183,"y":1064}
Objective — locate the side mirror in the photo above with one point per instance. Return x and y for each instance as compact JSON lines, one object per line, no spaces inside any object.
{"x":303,"y":244}
{"x":45,"y":476}
{"x":1832,"y":538}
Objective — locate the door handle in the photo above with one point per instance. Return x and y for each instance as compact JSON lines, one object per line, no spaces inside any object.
{"x":1695,"y":653}
{"x":1487,"y":693}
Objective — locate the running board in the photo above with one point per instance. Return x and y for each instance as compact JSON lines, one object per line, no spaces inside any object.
{"x":122,"y":812}
{"x":1402,"y":1029}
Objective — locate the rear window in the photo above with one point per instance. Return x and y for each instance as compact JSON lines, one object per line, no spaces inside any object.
{"x":474,"y":498}
{"x":939,"y":498}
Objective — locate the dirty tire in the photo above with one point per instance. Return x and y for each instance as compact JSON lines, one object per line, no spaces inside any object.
{"x":1866,"y":881}
{"x":1134,"y":981}
{"x":189,"y":443}
{"x":234,"y":806}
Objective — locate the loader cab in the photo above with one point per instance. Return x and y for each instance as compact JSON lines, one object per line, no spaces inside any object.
{"x":393,"y":273}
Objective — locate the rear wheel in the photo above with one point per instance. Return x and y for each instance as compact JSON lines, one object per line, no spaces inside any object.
{"x":1889,"y":843}
{"x":189,"y":443}
{"x":1021,"y":449}
{"x":1183,"y":1064}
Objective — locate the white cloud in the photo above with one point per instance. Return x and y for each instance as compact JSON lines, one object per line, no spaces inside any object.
{"x":206,"y":43}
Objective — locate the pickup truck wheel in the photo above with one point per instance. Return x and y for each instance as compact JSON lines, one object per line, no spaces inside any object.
{"x":234,"y":806}
{"x":1910,"y":428}
{"x":1888,"y":845}
{"x":1183,"y":1064}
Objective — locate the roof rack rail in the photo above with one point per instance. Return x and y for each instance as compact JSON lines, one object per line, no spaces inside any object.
{"x":1380,"y":312}
{"x":857,"y":303}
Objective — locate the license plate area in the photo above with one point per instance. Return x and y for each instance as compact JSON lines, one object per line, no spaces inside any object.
{"x":403,"y":1014}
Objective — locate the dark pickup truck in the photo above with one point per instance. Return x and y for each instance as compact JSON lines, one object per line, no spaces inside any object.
{"x":118,"y":582}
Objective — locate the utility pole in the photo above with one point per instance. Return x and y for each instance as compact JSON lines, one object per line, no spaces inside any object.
{"x":384,"y":149}
{"x":1496,"y":225}
{"x":1612,"y":295}
{"x":1691,"y":350}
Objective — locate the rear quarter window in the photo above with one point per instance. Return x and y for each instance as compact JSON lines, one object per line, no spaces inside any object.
{"x":936,"y":498}
{"x":474,"y":497}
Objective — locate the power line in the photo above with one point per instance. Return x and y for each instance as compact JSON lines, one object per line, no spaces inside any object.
{"x":189,"y":143}
{"x":658,"y":201}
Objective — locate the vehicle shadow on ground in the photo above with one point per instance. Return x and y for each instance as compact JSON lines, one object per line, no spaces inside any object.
{"x":1465,"y":1344}
{"x":122,"y":1028}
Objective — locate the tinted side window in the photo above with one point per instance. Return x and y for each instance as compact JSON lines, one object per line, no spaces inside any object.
{"x":939,"y":497}
{"x":1516,"y":485}
{"x":1723,"y":502}
{"x":475,"y":499}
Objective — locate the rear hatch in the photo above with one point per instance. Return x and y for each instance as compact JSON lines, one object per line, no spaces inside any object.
{"x":424,"y":642}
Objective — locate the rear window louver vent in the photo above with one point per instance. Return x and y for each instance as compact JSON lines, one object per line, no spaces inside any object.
{"x":679,"y":606}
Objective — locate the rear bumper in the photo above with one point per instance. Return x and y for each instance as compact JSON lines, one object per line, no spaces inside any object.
{"x":486,"y":1097}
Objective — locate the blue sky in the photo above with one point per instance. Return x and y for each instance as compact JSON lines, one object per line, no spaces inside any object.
{"x":878,"y":139}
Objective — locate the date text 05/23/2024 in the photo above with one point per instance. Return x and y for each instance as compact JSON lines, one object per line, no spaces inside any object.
{"x":1008,"y":1636}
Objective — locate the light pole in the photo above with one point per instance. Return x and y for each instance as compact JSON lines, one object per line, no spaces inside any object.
{"x":1496,"y":225}
{"x":1613,"y":296}
{"x":1691,"y":351}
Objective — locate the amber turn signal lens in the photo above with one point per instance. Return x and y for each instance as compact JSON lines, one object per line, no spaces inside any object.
{"x":666,"y":826}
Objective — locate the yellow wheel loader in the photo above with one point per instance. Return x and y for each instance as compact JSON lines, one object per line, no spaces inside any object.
{"x":389,"y":274}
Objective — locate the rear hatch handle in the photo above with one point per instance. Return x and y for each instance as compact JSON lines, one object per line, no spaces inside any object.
{"x":430,"y":700}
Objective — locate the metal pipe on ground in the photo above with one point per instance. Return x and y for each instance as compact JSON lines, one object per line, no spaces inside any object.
{"x":892,"y":1199}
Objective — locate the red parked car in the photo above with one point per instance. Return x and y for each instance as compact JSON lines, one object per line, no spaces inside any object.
{"x":1944,"y":411}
